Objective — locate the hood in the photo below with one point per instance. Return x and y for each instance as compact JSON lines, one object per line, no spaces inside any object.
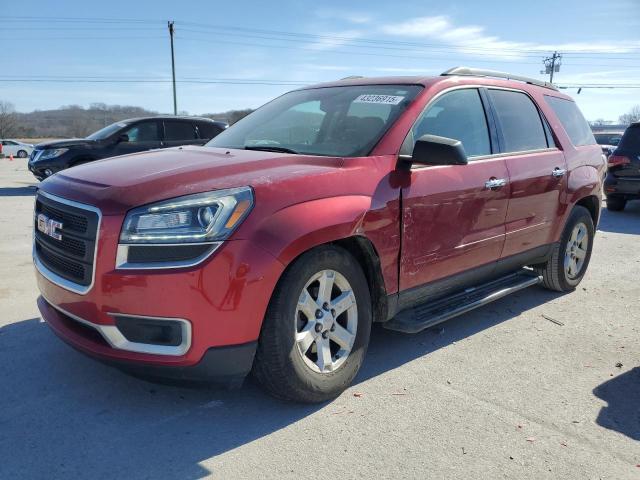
{"x":120,"y":183}
{"x":71,"y":142}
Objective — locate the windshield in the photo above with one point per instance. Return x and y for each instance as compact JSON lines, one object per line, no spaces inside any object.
{"x":608,"y":138}
{"x":332,"y":121}
{"x":106,"y":131}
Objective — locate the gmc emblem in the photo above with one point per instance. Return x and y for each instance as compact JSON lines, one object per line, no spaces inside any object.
{"x":49,"y":226}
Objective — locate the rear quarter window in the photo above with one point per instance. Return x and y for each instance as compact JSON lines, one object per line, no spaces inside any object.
{"x":631,"y":139}
{"x":572,"y":120}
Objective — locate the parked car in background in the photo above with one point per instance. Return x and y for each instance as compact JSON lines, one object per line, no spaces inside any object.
{"x":623,"y":178}
{"x":608,"y":139}
{"x":16,"y":148}
{"x":121,"y":138}
{"x":402,"y":200}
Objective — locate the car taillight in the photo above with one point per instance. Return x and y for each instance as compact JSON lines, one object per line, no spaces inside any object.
{"x":616,"y":160}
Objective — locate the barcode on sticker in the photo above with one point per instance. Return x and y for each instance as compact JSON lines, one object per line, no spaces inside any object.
{"x":382,"y":99}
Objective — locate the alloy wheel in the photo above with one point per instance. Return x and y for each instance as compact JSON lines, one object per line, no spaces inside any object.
{"x":326,"y":321}
{"x":576,"y":251}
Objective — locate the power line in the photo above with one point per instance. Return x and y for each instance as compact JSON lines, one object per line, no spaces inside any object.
{"x":376,"y":54}
{"x":232,"y":81}
{"x":226,"y":28}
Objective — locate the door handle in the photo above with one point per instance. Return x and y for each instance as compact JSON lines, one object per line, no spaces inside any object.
{"x":495,"y":183}
{"x":558,"y":172}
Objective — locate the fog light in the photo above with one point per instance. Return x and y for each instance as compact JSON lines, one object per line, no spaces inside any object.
{"x":48,"y":172}
{"x":150,"y":331}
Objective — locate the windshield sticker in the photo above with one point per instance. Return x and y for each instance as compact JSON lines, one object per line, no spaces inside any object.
{"x":381,"y":99}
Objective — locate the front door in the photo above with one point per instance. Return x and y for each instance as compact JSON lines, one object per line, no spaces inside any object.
{"x":453,"y":221}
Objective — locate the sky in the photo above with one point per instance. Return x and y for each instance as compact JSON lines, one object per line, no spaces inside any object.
{"x":240,"y":54}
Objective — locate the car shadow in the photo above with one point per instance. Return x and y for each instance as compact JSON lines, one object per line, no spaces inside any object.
{"x":627,"y":221}
{"x":622,"y":413}
{"x":63,"y":415}
{"x":18,"y":191}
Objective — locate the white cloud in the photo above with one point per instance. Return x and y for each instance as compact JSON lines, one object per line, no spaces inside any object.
{"x":344,"y":15}
{"x":474,"y":39}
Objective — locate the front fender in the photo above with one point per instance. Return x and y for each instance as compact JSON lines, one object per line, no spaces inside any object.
{"x":295,"y":229}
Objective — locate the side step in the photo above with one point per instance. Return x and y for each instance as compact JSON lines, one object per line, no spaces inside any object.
{"x":429,"y":314}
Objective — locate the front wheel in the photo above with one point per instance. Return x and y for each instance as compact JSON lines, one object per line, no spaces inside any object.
{"x":570,"y":257}
{"x":316,"y":330}
{"x":22,"y":154}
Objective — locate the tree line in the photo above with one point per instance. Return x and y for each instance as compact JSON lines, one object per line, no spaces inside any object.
{"x":75,"y":121}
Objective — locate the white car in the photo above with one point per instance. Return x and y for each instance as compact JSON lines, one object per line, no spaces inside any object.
{"x":16,"y":148}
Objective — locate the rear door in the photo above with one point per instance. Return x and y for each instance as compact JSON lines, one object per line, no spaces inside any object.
{"x":452,"y":222}
{"x":537,"y":171}
{"x":180,"y":132}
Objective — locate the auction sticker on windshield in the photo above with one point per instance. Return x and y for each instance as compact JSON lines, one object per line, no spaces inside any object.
{"x":383,"y":99}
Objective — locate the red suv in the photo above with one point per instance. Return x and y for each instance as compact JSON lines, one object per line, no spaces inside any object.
{"x":272,"y":249}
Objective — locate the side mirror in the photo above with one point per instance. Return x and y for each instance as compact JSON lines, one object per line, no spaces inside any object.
{"x":123,"y":137}
{"x":434,"y":150}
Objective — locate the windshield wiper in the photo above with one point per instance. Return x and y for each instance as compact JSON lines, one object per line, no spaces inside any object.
{"x":269,"y":148}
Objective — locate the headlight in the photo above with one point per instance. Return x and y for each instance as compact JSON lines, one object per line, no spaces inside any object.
{"x":202,"y":218}
{"x":49,"y":154}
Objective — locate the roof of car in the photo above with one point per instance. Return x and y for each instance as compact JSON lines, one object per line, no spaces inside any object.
{"x":461,"y":75}
{"x":172,"y":117}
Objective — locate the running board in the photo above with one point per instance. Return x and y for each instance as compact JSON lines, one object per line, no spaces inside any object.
{"x":429,"y":314}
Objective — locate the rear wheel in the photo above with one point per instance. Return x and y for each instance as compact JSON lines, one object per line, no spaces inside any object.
{"x":316,"y":330}
{"x":616,"y":204}
{"x":570,"y":257}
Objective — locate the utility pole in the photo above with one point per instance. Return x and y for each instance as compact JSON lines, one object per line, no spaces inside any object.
{"x":173,"y":68}
{"x":551,"y":65}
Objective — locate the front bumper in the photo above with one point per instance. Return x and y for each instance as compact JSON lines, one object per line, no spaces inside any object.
{"x":224,"y":300}
{"x":38,"y":170}
{"x":228,"y":365}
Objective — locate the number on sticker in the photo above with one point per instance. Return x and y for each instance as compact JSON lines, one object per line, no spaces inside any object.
{"x":381,"y":99}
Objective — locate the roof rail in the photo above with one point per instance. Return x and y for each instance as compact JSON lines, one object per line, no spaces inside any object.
{"x":478,"y":72}
{"x":352,"y":77}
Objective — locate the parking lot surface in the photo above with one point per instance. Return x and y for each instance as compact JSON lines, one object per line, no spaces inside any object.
{"x":537,"y":385}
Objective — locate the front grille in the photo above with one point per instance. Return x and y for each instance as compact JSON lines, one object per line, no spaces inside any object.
{"x":77,"y":223}
{"x":71,"y":256}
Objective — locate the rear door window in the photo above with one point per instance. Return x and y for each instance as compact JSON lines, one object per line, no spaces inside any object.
{"x":144,"y":132}
{"x":174,"y":131}
{"x":572,"y":120}
{"x":520,"y":122}
{"x":208,"y":130}
{"x":459,"y":115}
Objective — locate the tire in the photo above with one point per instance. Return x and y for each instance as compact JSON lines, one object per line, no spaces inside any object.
{"x":22,"y":154}
{"x":555,"y":273}
{"x":616,"y":204}
{"x":284,"y":365}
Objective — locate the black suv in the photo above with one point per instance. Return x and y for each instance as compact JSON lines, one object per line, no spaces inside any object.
{"x":623,"y":179}
{"x":120,"y":138}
